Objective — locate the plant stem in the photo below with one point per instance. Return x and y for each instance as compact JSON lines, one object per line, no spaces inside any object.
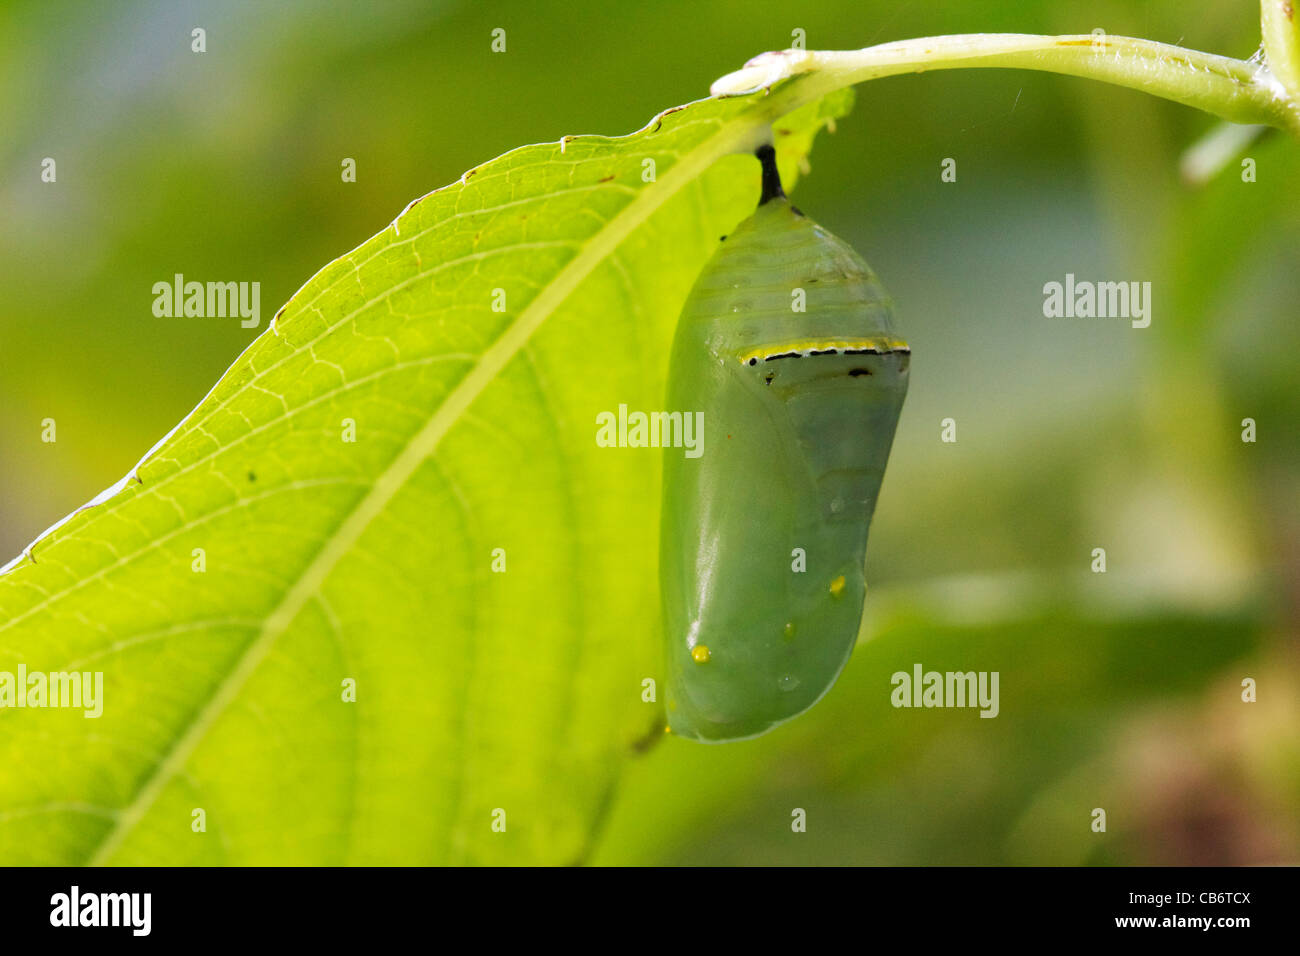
{"x":1280,"y":27}
{"x":1235,"y":90}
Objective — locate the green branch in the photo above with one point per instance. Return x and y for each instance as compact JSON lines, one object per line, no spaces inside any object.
{"x":1280,"y":27}
{"x":1236,"y":90}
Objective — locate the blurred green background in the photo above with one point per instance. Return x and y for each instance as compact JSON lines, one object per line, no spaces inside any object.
{"x":1119,"y":691}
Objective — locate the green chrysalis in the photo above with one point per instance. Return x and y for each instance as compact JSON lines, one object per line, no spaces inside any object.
{"x":785,"y":344}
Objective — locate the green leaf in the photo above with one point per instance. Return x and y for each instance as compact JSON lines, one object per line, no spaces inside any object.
{"x":326,"y":560}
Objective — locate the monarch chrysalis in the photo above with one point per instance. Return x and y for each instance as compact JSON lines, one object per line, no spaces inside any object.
{"x":763,"y":537}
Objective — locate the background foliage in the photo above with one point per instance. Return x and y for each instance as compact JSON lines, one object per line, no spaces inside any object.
{"x":1118,"y":690}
